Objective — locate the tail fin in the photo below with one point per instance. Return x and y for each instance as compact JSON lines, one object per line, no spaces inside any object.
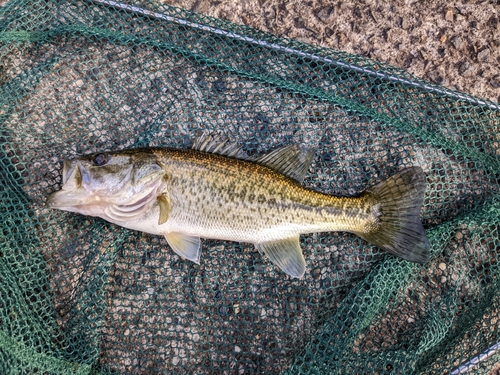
{"x":399,"y":229}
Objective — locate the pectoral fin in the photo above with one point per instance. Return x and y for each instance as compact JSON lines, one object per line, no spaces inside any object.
{"x":164,"y":203}
{"x":186,"y":246}
{"x":286,"y":254}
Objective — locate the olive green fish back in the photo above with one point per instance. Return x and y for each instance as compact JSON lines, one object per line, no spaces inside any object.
{"x":81,"y":296}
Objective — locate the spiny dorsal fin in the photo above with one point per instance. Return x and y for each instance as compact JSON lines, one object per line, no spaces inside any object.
{"x":218,"y":144}
{"x":292,"y":161}
{"x":286,"y":254}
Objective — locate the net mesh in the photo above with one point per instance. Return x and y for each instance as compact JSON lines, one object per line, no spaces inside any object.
{"x":79,"y":295}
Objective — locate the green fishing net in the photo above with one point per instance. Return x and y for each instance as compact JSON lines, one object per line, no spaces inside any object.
{"x":79,"y":295}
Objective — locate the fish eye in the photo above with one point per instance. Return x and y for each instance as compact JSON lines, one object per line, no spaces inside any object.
{"x":100,"y":159}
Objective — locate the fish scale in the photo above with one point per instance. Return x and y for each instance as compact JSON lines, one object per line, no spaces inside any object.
{"x":270,"y":200}
{"x":188,"y":194}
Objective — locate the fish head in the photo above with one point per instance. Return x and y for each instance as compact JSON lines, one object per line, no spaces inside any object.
{"x":96,"y":182}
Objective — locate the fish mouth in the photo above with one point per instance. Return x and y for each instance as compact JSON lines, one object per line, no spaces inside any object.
{"x":70,"y":200}
{"x":71,"y":193}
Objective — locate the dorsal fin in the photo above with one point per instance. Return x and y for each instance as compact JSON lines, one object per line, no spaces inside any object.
{"x":218,"y":144}
{"x":292,"y":161}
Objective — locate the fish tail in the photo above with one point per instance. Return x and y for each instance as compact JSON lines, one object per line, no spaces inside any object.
{"x":397,"y":227}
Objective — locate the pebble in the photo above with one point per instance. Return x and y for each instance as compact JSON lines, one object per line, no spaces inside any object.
{"x":405,"y":23}
{"x":435,"y":77}
{"x":237,"y":349}
{"x":236,"y":307}
{"x":457,"y":41}
{"x":219,"y":85}
{"x":495,"y":82}
{"x":467,"y":68}
{"x":484,"y":55}
{"x":449,"y":15}
{"x":325,"y":14}
{"x":442,"y":266}
{"x":223,"y":310}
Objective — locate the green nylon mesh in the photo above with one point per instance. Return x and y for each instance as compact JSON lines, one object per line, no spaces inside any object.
{"x":81,"y":296}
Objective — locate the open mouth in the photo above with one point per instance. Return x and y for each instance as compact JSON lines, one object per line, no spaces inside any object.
{"x":71,"y":193}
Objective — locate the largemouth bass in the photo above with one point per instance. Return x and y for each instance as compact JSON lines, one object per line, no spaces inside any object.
{"x":215,"y":191}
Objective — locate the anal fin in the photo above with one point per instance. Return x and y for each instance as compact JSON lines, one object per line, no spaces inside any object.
{"x":286,"y":254}
{"x":186,"y":246}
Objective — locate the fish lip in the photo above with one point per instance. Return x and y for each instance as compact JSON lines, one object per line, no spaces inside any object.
{"x":71,"y":192}
{"x":66,"y":199}
{"x":51,"y":200}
